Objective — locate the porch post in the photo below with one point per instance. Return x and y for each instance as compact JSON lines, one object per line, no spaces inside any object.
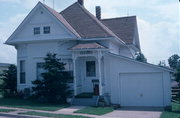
{"x":74,"y":74}
{"x":99,"y":71}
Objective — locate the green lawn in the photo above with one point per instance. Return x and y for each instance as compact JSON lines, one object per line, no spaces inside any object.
{"x":28,"y":104}
{"x":95,"y":110}
{"x":175,"y":113}
{"x":52,"y":115}
{"x":7,"y":110}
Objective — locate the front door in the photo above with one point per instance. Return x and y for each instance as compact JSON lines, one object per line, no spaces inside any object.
{"x":89,"y":75}
{"x":96,"y":90}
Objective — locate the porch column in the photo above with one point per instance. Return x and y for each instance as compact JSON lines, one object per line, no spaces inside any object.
{"x":74,"y":74}
{"x":99,"y":71}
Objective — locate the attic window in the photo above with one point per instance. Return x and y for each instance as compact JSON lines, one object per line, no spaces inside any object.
{"x":46,"y":29}
{"x":36,"y":30}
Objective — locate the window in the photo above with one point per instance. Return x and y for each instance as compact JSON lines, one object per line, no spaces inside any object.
{"x":90,"y":69}
{"x":22,"y":72}
{"x":46,"y":29}
{"x":40,"y":70}
{"x":36,"y":30}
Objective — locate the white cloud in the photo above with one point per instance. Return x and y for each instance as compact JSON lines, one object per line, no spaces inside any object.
{"x":8,"y":53}
{"x":159,"y":39}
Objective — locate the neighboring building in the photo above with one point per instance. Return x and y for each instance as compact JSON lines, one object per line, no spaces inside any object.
{"x":100,"y":52}
{"x":3,"y":66}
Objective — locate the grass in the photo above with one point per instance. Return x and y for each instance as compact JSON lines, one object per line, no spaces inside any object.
{"x":175,"y":113}
{"x":51,"y":115}
{"x":95,"y":110}
{"x":6,"y":110}
{"x":28,"y":104}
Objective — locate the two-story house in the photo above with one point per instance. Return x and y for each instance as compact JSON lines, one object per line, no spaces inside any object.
{"x":99,"y":52}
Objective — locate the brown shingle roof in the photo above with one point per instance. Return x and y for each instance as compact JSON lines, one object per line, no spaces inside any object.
{"x":88,"y":46}
{"x":123,"y":27}
{"x":86,"y":24}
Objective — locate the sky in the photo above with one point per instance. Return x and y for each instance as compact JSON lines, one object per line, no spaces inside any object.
{"x":158,"y":23}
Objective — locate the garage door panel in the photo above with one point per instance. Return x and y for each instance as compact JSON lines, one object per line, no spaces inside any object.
{"x":143,"y":89}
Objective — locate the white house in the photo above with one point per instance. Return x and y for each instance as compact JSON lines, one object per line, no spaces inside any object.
{"x":99,"y":52}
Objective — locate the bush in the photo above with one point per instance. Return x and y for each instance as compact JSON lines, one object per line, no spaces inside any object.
{"x":53,"y":87}
{"x":8,"y":87}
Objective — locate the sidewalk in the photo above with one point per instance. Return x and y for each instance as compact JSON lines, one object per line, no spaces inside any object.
{"x":65,"y":111}
{"x":70,"y":111}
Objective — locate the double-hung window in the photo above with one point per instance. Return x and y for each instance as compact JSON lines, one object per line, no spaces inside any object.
{"x":22,"y":72}
{"x":40,"y":70}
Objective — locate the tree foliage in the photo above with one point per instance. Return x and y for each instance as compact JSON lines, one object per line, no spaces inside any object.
{"x":8,"y":85}
{"x":174,"y":61}
{"x":177,"y":74}
{"x":140,"y":57}
{"x":53,"y":87}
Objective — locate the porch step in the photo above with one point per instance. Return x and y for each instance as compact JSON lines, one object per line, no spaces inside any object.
{"x":85,"y":101}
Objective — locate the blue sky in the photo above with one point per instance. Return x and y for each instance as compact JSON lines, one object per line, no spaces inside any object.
{"x":158,"y":23}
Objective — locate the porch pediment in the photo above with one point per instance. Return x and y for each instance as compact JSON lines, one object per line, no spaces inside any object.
{"x":88,"y":46}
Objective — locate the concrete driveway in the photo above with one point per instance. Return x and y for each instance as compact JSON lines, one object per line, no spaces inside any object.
{"x":132,"y":114}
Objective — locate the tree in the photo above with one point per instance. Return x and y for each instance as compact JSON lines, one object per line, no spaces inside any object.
{"x":177,"y":74}
{"x":53,"y":87}
{"x":140,"y":57}
{"x":8,"y":87}
{"x":173,"y":61}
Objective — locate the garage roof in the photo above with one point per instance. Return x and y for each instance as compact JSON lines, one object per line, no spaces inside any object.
{"x":147,"y":64}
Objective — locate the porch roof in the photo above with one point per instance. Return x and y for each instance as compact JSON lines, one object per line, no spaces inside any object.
{"x":88,"y":46}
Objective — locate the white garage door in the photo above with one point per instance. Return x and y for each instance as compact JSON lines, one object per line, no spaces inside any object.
{"x":141,"y":89}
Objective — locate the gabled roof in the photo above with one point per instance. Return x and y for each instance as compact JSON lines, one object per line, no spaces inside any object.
{"x":82,"y":24}
{"x":88,"y":46}
{"x":86,"y":24}
{"x":123,"y":27}
{"x":59,"y":17}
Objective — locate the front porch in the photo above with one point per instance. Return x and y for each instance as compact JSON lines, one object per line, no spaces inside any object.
{"x":88,"y":75}
{"x":88,"y":66}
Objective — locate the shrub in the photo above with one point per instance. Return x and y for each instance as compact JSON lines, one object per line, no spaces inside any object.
{"x":8,"y":87}
{"x":53,"y":87}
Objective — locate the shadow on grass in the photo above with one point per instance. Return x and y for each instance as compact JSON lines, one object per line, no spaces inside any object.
{"x":30,"y":104}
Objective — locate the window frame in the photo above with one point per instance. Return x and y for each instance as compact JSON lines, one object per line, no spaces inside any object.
{"x":47,"y":31}
{"x":22,"y":77}
{"x":37,"y":72}
{"x":91,"y":74}
{"x":37,"y":29}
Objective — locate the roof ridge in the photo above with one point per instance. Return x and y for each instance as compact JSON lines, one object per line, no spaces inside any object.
{"x":62,"y":20}
{"x":124,"y":17}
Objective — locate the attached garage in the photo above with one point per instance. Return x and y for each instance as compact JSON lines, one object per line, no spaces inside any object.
{"x":134,"y":83}
{"x":141,"y":89}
